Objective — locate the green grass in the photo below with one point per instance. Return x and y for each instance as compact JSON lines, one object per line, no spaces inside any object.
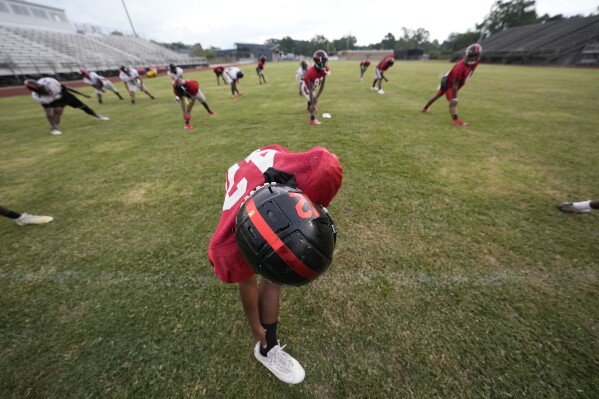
{"x":454,"y":276}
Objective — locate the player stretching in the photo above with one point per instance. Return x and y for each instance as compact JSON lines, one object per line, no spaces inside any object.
{"x":455,"y":79}
{"x":189,"y":89}
{"x":364,"y":64}
{"x":132,"y":81}
{"x":54,"y":96}
{"x":232,"y":76}
{"x":260,"y":69}
{"x":218,"y":71}
{"x":255,"y":214}
{"x":385,"y":64}
{"x":99,"y":83}
{"x":315,"y":78}
{"x":300,"y":73}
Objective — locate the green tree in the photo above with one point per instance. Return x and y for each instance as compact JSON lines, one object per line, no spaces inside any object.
{"x":388,"y":42}
{"x":507,"y":14}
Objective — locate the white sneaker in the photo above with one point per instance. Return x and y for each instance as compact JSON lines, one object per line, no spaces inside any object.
{"x":381,"y":91}
{"x":361,"y":80}
{"x":281,"y":364}
{"x":32,"y":219}
{"x":373,"y":88}
{"x":55,"y":132}
{"x":103,"y":118}
{"x":569,"y":207}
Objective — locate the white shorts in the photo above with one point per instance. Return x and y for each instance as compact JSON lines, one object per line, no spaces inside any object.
{"x":378,"y":73}
{"x":201,"y":97}
{"x":134,"y":86}
{"x":108,"y":86}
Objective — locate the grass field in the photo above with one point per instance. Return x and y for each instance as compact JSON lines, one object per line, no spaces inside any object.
{"x":455,"y":276}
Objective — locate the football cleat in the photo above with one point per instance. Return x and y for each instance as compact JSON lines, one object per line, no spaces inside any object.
{"x":103,"y":118}
{"x":188,"y":127}
{"x":55,"y":132}
{"x":569,"y":207}
{"x":315,"y":122}
{"x":459,"y":122}
{"x":425,"y":110}
{"x":381,"y":91}
{"x":26,"y":219}
{"x":281,"y":364}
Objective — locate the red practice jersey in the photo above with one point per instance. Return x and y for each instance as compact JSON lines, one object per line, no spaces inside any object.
{"x":313,"y":75}
{"x":383,"y":66}
{"x":317,"y":173}
{"x":218,"y":70}
{"x":365,"y":63}
{"x":192,"y":87}
{"x":260,"y":65}
{"x":460,"y":73}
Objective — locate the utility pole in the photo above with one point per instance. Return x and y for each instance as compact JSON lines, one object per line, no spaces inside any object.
{"x":127,"y":12}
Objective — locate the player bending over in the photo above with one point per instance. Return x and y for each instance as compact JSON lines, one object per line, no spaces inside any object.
{"x":364,"y":64}
{"x":218,"y":71}
{"x":260,"y":69}
{"x":315,"y":78}
{"x":300,"y":73}
{"x":379,"y":74}
{"x":251,"y":237}
{"x":23,"y":219}
{"x":54,"y":96}
{"x":455,"y":79}
{"x":189,"y":89}
{"x":232,"y":75}
{"x":132,"y":81}
{"x":99,"y":83}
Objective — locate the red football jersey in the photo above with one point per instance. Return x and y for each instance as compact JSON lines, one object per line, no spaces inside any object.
{"x":192,"y":87}
{"x":383,"y":66}
{"x":460,"y":73}
{"x":313,"y":74}
{"x":365,"y":63}
{"x":317,"y":173}
{"x":260,"y":64}
{"x":218,"y":69}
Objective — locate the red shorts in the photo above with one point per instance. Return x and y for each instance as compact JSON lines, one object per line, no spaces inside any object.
{"x":449,"y":94}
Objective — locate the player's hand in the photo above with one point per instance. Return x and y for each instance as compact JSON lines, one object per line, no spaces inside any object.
{"x":260,"y":335}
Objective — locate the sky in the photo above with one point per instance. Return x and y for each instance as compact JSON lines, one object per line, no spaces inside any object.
{"x":212,"y":23}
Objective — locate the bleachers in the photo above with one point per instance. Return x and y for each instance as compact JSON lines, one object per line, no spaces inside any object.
{"x":550,"y":42}
{"x":140,"y":48}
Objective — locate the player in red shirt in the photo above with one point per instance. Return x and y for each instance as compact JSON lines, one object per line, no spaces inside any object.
{"x":385,"y":64}
{"x":364,"y":64}
{"x":260,"y":69}
{"x":318,"y":173}
{"x":218,"y":71}
{"x":455,"y":79}
{"x":315,"y":78}
{"x":189,"y":89}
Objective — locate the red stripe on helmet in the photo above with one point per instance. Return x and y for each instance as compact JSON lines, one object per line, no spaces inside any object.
{"x":275,"y":242}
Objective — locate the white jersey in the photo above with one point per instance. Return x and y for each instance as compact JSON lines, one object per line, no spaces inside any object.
{"x":177,"y":75}
{"x":131,"y":77}
{"x":93,"y":79}
{"x":230,"y":74}
{"x":55,"y":88}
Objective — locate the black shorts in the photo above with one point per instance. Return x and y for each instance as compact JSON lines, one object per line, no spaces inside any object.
{"x":67,"y":99}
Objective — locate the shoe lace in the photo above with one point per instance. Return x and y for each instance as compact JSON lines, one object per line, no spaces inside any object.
{"x":281,"y":358}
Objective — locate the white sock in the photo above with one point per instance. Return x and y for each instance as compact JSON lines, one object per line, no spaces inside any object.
{"x":582,"y":205}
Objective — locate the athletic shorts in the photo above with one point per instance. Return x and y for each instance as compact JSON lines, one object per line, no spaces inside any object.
{"x":306,"y":91}
{"x":134,"y":86}
{"x":107,"y":85}
{"x":378,"y":73}
{"x":67,"y":99}
{"x":201,"y":97}
{"x":444,"y":88}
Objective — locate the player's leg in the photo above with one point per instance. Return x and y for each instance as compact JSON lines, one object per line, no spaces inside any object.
{"x":99,"y":95}
{"x":145,"y":90}
{"x":108,"y":85}
{"x":57,"y":115}
{"x":202,"y":99}
{"x":248,"y":293}
{"x":453,"y":110}
{"x":263,"y":78}
{"x":431,"y":101}
{"x":74,"y":102}
{"x":51,"y":120}
{"x":269,"y":301}
{"x":23,"y":219}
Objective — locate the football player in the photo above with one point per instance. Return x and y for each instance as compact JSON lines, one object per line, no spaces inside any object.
{"x":189,"y":89}
{"x":232,"y":75}
{"x":54,"y":96}
{"x":174,"y":72}
{"x":455,"y":79}
{"x":300,"y":73}
{"x":218,"y":71}
{"x":318,"y":174}
{"x":314,"y":79}
{"x":379,"y":74}
{"x":99,"y":83}
{"x":364,"y":64}
{"x":579,"y":207}
{"x":132,"y":81}
{"x":260,"y":69}
{"x":23,"y":219}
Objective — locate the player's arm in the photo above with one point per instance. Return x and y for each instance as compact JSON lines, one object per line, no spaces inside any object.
{"x":311,"y":95}
{"x":182,"y":104}
{"x":192,"y":101}
{"x":324,"y":79}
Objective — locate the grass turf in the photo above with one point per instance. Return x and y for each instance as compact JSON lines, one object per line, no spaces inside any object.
{"x":454,"y":276}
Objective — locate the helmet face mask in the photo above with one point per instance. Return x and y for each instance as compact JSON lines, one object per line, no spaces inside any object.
{"x":473,"y":54}
{"x":320,"y":59}
{"x":124,"y":69}
{"x":180,"y":88}
{"x":283,"y":236}
{"x":173,"y":68}
{"x":34,"y":86}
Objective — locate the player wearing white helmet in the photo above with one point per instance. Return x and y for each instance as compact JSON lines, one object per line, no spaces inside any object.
{"x":99,"y":83}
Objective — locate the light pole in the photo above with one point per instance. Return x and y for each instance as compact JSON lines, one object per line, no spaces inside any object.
{"x":127,"y":12}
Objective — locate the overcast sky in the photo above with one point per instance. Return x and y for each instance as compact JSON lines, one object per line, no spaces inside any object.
{"x":222,"y":23}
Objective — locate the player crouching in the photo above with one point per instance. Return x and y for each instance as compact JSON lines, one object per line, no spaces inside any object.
{"x":54,"y":96}
{"x":315,"y":78}
{"x":99,"y":83}
{"x":455,"y":79}
{"x":260,"y":70}
{"x":232,"y":76}
{"x":132,"y":81}
{"x":379,"y":73}
{"x":189,"y":89}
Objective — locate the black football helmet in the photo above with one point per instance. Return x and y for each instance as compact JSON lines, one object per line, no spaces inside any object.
{"x":283,"y":236}
{"x":473,"y":54}
{"x":391,"y":61}
{"x":180,"y":88}
{"x":320,"y":59}
{"x":263,"y":58}
{"x":124,"y":69}
{"x":34,"y":86}
{"x":239,"y":75}
{"x":173,"y":68}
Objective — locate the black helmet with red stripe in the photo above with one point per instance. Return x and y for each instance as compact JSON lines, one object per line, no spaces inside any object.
{"x":179,"y":87}
{"x":320,"y":59}
{"x":473,"y":54}
{"x":283,"y":236}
